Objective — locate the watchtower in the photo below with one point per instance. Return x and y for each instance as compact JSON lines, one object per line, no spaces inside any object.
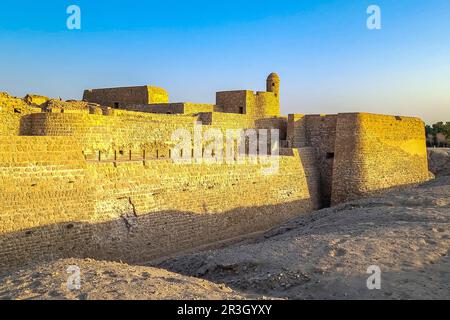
{"x":273,"y":84}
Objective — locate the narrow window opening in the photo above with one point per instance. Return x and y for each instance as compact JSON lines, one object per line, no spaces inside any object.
{"x":330,"y":155}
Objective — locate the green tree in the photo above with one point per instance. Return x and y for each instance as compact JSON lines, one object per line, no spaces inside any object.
{"x":446,"y":130}
{"x":435,"y":129}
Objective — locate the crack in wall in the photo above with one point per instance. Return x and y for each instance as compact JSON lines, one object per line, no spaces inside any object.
{"x":130,"y":219}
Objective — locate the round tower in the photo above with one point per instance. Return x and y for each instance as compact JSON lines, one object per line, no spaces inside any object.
{"x":273,"y":83}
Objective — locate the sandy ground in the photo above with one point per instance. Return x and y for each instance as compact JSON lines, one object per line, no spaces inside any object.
{"x":102,"y":280}
{"x":321,"y":255}
{"x":439,"y":161}
{"x":326,"y":254}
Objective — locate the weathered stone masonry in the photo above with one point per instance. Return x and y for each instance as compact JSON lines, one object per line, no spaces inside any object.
{"x":55,"y":204}
{"x":95,"y":178}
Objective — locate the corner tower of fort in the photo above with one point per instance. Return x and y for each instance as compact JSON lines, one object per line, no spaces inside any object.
{"x":361,"y":154}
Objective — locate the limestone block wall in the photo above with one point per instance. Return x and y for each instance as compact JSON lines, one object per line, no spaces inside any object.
{"x":53,"y":204}
{"x":173,"y":108}
{"x":226,"y":121}
{"x":14,"y":113}
{"x":164,"y":108}
{"x":144,"y":213}
{"x":310,"y":164}
{"x":126,"y":131}
{"x":70,"y":106}
{"x":44,"y":195}
{"x":232,"y":101}
{"x":321,"y":135}
{"x":193,"y":108}
{"x":123,"y":130}
{"x":255,"y":105}
{"x":296,"y":131}
{"x":264,"y":104}
{"x":308,"y":159}
{"x":122,"y":97}
{"x":376,"y":153}
{"x":11,"y":123}
{"x":279,"y":123}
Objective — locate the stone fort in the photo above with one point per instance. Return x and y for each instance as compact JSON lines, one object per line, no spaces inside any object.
{"x":94,"y":178}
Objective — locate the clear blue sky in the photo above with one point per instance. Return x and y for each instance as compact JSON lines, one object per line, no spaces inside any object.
{"x":327,"y":59}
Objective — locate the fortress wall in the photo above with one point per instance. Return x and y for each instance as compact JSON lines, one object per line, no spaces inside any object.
{"x":255,"y":106}
{"x":191,"y":108}
{"x":123,"y":130}
{"x":126,"y":95}
{"x":14,"y":118}
{"x":377,"y":152}
{"x":296,"y":131}
{"x":133,"y":131}
{"x":321,"y":134}
{"x":165,"y":208}
{"x":166,"y":108}
{"x":226,"y":121}
{"x":348,"y":161}
{"x":57,"y":106}
{"x":128,"y":131}
{"x":265,"y":105}
{"x":308,"y":159}
{"x":10,"y":123}
{"x":279,"y":123}
{"x":44,"y":193}
{"x":53,"y":204}
{"x":108,"y":96}
{"x":173,"y":108}
{"x":232,"y":101}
